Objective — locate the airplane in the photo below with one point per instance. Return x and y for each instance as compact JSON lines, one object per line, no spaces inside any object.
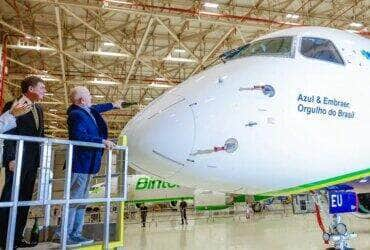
{"x":146,"y":189}
{"x":287,"y":113}
{"x":143,"y":188}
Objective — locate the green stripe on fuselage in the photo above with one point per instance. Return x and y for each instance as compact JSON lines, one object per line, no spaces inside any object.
{"x":161,"y":199}
{"x":212,"y":207}
{"x":315,"y":185}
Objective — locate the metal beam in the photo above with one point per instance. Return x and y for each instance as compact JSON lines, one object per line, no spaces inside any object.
{"x":172,"y":33}
{"x":109,"y":38}
{"x":313,"y":7}
{"x":212,"y":51}
{"x":61,"y":56}
{"x":340,"y":14}
{"x":48,"y":45}
{"x":138,"y":51}
{"x":255,"y":7}
{"x":36,"y":71}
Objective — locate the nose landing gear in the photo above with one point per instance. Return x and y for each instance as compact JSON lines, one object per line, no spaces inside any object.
{"x":338,"y":235}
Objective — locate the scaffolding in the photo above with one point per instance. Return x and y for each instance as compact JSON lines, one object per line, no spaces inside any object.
{"x":44,"y":195}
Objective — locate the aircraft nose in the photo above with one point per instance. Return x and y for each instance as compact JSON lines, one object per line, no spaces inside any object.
{"x":161,"y":136}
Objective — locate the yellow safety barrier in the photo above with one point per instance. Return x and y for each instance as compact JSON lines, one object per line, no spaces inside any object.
{"x":122,"y":141}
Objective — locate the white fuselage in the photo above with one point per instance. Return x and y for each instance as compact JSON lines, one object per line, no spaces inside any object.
{"x":315,"y":127}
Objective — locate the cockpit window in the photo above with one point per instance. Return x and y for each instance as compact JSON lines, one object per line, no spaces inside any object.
{"x":234,"y":53}
{"x":321,"y":49}
{"x":279,"y":46}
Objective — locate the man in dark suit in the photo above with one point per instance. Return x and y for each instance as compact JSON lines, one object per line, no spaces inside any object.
{"x":85,"y":123}
{"x":29,"y":124}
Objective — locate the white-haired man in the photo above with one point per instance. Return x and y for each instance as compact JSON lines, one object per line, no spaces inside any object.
{"x":85,"y":123}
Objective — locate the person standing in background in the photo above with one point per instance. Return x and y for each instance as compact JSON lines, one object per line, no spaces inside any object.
{"x":143,"y":214}
{"x":183,"y":206}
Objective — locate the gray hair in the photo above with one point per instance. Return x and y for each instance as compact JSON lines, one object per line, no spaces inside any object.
{"x":77,"y":93}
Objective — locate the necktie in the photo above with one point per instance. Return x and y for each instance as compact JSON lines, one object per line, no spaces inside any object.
{"x":35,"y":116}
{"x":92,"y":116}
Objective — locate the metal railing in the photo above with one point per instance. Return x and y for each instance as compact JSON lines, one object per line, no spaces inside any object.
{"x":44,"y":194}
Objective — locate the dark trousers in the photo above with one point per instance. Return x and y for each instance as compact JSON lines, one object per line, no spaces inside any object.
{"x":27,"y":183}
{"x":143,"y":219}
{"x":183,"y":216}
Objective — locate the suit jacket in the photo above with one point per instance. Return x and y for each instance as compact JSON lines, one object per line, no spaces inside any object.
{"x":82,"y":127}
{"x":25,"y":126}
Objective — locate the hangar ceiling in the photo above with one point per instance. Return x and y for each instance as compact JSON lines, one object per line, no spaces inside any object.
{"x":136,"y":50}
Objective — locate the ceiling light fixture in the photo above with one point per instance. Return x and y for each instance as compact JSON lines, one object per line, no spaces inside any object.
{"x":117,"y":1}
{"x":106,"y":53}
{"x":47,"y":78}
{"x":356,"y":25}
{"x":159,"y":85}
{"x":210,"y":5}
{"x":179,"y":51}
{"x":178,"y":59}
{"x":108,"y":44}
{"x":98,"y":96}
{"x":103,"y":82}
{"x":292,"y":16}
{"x":29,"y":47}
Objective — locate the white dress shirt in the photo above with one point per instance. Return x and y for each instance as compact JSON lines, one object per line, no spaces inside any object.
{"x":7,"y":122}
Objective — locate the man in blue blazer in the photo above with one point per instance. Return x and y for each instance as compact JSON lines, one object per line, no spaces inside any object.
{"x":85,"y":123}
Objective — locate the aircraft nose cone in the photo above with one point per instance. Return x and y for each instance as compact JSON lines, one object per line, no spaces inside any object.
{"x":161,"y":136}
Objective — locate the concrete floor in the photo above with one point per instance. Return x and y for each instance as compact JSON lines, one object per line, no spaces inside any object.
{"x":262,"y":232}
{"x":268,"y":231}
